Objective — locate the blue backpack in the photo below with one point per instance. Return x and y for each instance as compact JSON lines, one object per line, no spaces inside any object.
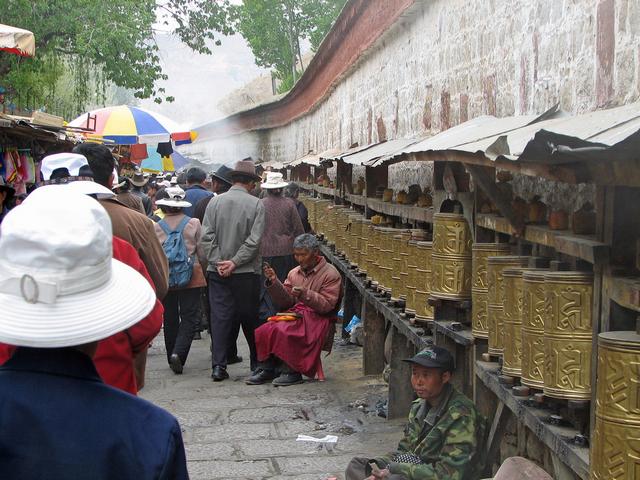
{"x":180,"y":262}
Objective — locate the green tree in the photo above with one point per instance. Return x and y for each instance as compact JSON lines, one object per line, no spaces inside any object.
{"x":100,"y":43}
{"x":275,"y":29}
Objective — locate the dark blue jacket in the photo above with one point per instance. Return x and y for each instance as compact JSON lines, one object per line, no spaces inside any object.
{"x":193,"y":195}
{"x":58,"y":420}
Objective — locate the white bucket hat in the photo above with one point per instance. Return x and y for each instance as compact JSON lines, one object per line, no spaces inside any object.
{"x":274,"y":180}
{"x":59,"y":285}
{"x":176,"y":198}
{"x":72,"y":162}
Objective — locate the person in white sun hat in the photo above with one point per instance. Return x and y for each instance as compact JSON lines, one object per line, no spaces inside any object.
{"x":61,"y":292}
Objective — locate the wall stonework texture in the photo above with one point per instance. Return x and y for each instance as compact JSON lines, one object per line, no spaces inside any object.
{"x":446,"y":61}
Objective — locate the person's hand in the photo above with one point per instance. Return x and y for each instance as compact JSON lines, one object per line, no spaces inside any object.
{"x":226,"y":268}
{"x":384,"y":473}
{"x":269,"y":273}
{"x":298,"y":292}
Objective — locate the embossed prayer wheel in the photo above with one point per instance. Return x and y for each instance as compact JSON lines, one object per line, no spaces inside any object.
{"x":451,"y":235}
{"x":495,"y":298}
{"x":568,"y":335}
{"x":399,"y":265}
{"x":616,"y":437}
{"x":480,"y":285}
{"x":424,"y":311}
{"x":412,"y":277}
{"x":451,"y":257}
{"x":533,"y":312}
{"x":513,"y":311}
{"x":367,"y":228}
{"x":386,"y":259}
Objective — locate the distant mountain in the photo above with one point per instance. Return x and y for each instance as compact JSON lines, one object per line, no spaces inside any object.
{"x":199,"y":82}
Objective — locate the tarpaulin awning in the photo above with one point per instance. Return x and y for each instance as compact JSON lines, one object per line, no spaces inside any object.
{"x":17,"y":41}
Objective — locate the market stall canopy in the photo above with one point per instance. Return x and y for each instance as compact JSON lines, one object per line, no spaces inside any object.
{"x":273,"y":165}
{"x":127,"y":125}
{"x":17,"y":41}
{"x":310,"y":158}
{"x":156,"y":163}
{"x":335,"y":154}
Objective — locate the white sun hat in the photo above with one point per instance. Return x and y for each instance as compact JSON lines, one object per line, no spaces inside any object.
{"x":59,"y":285}
{"x":176,"y":198}
{"x":73,"y":163}
{"x":274,"y":180}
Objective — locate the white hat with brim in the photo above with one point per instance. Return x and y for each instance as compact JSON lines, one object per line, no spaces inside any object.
{"x":274,"y":180}
{"x":176,"y":198}
{"x":59,"y":285}
{"x":72,"y":162}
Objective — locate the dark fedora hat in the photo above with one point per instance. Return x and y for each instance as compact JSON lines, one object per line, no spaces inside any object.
{"x":223,"y":174}
{"x":138,"y":179}
{"x":245,"y":168}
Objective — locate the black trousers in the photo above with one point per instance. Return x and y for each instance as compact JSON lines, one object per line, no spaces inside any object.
{"x":232,"y":351}
{"x":181,"y":318}
{"x":234,"y":302}
{"x":359,"y":469}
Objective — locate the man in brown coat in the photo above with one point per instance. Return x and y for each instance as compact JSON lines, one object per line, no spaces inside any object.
{"x":131,"y":226}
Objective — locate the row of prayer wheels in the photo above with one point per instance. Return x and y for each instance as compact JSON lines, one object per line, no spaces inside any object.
{"x":539,"y":321}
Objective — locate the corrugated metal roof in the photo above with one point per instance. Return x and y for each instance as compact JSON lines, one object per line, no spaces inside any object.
{"x":603,"y":127}
{"x":337,"y":154}
{"x":309,"y":159}
{"x":370,"y":155}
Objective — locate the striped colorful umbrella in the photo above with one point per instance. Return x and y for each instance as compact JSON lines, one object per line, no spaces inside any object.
{"x":127,"y":125}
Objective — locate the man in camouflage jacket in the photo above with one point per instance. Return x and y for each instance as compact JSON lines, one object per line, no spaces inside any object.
{"x":444,"y":434}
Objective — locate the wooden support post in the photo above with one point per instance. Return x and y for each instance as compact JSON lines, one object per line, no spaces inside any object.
{"x":352,"y":304}
{"x":482,"y":176}
{"x":401,"y":393}
{"x":373,"y":326}
{"x":496,"y":432}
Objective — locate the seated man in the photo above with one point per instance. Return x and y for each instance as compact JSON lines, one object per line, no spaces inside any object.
{"x":312,"y":290}
{"x":444,"y":433}
{"x":61,"y":292}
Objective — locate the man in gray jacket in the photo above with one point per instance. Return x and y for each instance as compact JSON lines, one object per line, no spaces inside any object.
{"x":232,"y":229}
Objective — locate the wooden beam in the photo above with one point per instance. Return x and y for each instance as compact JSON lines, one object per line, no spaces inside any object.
{"x":401,"y":393}
{"x":482,"y":176}
{"x":373,"y":326}
{"x":496,"y":432}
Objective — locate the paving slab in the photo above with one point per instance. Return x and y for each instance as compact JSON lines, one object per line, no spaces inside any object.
{"x":235,"y":431}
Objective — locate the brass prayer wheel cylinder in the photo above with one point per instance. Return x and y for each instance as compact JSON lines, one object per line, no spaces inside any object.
{"x":423,"y":252}
{"x":410,"y":303}
{"x":495,"y":298}
{"x":615,"y":440}
{"x":451,"y":235}
{"x":397,"y":288}
{"x":481,"y":252}
{"x":479,"y":326}
{"x":424,"y":311}
{"x":450,"y":277}
{"x":533,"y":312}
{"x":512,"y":314}
{"x":403,"y":286}
{"x":568,"y":335}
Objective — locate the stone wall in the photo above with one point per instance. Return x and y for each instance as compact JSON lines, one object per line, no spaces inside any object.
{"x":450,"y":60}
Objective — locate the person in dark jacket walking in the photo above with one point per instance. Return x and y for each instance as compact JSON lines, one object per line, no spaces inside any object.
{"x":195,"y":190}
{"x":292,"y":191}
{"x":59,"y":297}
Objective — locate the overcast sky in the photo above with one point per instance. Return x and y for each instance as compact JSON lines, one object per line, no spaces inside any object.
{"x":198,"y":82}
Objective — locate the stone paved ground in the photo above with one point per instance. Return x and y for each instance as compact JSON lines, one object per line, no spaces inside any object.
{"x":235,"y":431}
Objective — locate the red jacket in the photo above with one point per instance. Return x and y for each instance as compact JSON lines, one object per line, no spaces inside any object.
{"x":114,"y":357}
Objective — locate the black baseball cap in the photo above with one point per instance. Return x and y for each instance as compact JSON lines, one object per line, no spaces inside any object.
{"x":434,"y":357}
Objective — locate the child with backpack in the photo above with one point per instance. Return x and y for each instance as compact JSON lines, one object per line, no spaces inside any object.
{"x":180,"y":237}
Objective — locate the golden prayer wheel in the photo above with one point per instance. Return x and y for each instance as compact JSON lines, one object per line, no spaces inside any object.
{"x":367,"y":228}
{"x":424,"y":253}
{"x":533,"y":312}
{"x":568,"y":335}
{"x":495,"y":298}
{"x":479,"y":326}
{"x":513,"y":311}
{"x":450,"y":277}
{"x":481,"y":252}
{"x":480,"y":284}
{"x":451,"y":235}
{"x":424,"y":311}
{"x":412,"y":277}
{"x":451,"y":257}
{"x":616,"y":437}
